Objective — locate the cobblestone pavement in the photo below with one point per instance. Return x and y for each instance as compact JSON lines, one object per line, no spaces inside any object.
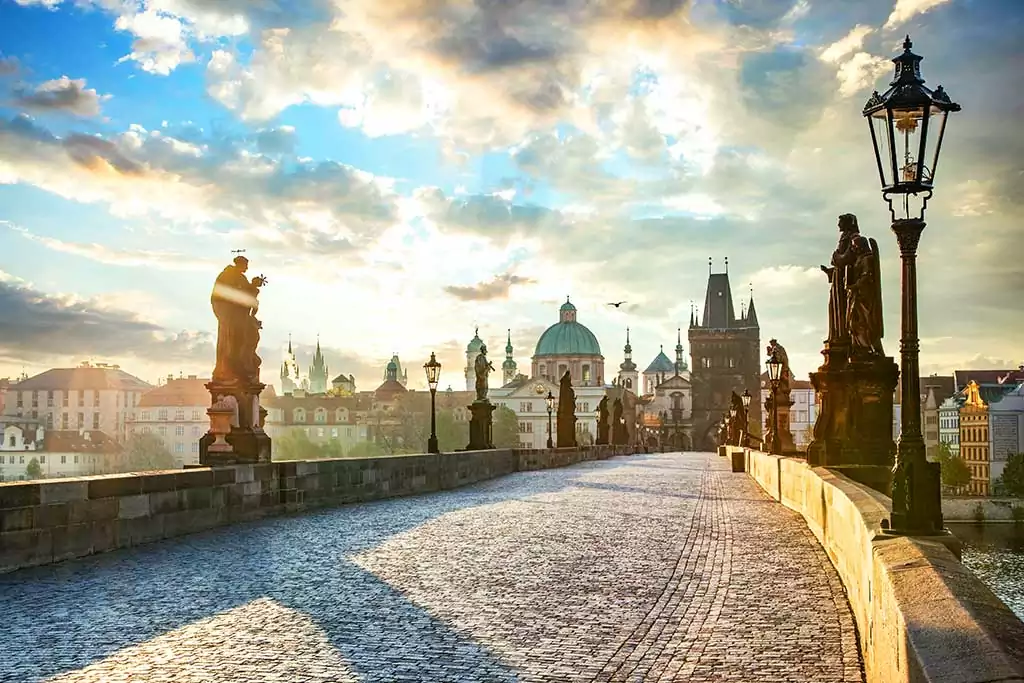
{"x":644,"y":568}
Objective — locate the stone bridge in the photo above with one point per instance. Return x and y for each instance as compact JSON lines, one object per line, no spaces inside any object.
{"x":501,"y":566}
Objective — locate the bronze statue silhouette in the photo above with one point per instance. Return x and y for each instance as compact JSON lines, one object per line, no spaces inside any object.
{"x":864,"y":299}
{"x":602,"y":421}
{"x":483,"y":367}
{"x":566,"y":412}
{"x":234,"y":302}
{"x":842,"y":257}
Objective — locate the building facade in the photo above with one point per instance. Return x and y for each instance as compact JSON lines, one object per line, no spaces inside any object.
{"x":725,"y":357}
{"x":974,"y":440}
{"x":949,"y":423}
{"x":95,"y":397}
{"x":628,"y":378}
{"x":176,"y":413}
{"x":569,"y":346}
{"x":322,"y":418}
{"x":1006,"y":430}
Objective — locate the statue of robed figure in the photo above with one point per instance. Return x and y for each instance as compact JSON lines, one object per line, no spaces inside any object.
{"x":235,"y":304}
{"x":864,"y":299}
{"x":620,"y":435}
{"x":482,"y":367}
{"x":602,"y":421}
{"x":566,"y":412}
{"x":842,"y":256}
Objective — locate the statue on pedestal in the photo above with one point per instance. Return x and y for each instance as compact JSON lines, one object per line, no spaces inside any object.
{"x":482,"y":411}
{"x":236,"y":373}
{"x":783,"y":392}
{"x":602,"y":422}
{"x":855,"y":384}
{"x":566,"y":427}
{"x":620,"y":437}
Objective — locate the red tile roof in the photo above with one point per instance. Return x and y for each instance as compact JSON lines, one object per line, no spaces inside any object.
{"x":65,"y":379}
{"x":73,"y":441}
{"x":177,"y":392}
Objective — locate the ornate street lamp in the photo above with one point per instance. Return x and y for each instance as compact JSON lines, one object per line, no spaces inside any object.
{"x":746,"y":398}
{"x":433,"y":370}
{"x":551,"y":406}
{"x":774,"y":374}
{"x":908,"y":123}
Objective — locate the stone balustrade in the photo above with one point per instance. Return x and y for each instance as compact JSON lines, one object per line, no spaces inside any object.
{"x":921,"y":615}
{"x":59,"y":519}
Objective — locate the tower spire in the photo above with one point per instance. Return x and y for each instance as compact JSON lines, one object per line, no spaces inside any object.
{"x":289,"y":343}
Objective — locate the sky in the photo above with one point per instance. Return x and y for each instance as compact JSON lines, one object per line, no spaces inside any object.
{"x":405,"y":171}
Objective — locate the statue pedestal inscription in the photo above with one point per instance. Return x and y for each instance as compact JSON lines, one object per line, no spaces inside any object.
{"x":480,"y":425}
{"x":239,"y":407}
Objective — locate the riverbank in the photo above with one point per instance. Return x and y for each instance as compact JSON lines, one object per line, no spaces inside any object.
{"x":991,"y":509}
{"x":995,"y":553}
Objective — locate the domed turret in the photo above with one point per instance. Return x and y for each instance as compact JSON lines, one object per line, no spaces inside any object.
{"x":569,"y":345}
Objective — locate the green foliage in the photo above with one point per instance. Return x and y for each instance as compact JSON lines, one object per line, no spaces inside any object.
{"x":452,"y":434}
{"x":295,"y":444}
{"x":955,"y":473}
{"x":1013,"y":476}
{"x":34,"y":469}
{"x":505,"y":433}
{"x":332,"y":449}
{"x":146,"y":451}
{"x":979,"y":513}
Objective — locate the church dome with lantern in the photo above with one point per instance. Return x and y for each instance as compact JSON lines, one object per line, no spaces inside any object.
{"x":569,"y":345}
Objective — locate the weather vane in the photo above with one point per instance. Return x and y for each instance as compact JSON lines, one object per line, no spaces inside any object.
{"x":238,"y":251}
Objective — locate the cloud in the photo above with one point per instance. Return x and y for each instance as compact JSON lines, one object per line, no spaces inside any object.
{"x":904,"y":10}
{"x":61,"y":94}
{"x":40,"y":327}
{"x":498,"y":288}
{"x":9,"y":66}
{"x":283,"y":204}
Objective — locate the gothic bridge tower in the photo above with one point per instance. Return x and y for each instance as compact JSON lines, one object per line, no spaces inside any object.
{"x":726,"y":356}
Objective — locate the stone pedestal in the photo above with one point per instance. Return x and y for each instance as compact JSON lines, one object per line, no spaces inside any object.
{"x":237,"y":404}
{"x":481,"y":425}
{"x":565,"y":430}
{"x":602,"y":433}
{"x":853,"y":430}
{"x":786,"y":442}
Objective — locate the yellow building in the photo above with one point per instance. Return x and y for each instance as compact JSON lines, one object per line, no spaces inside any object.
{"x":974,"y":448}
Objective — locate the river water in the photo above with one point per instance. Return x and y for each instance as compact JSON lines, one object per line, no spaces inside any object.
{"x":995,"y":553}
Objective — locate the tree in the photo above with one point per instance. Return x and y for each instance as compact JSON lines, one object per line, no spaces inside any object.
{"x":295,"y":444}
{"x":1013,"y":476}
{"x":34,"y":470}
{"x":955,"y":473}
{"x":146,"y":451}
{"x":505,"y":432}
{"x":332,"y":449}
{"x":451,"y":433}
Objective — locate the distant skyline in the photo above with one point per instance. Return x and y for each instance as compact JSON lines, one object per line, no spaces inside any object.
{"x":404,"y":171}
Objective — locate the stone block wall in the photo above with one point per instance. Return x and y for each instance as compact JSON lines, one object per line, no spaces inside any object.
{"x":921,"y":615}
{"x":53,"y":520}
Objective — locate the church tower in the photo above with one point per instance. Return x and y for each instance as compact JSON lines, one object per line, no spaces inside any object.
{"x":289,"y":370}
{"x":472,"y":351}
{"x":725,"y":352}
{"x":508,"y":368}
{"x":318,"y":373}
{"x":680,"y":365}
{"x":628,"y":376}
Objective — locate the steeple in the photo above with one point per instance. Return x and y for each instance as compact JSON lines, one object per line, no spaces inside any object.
{"x":629,"y":378}
{"x":318,"y":372}
{"x":680,"y":363}
{"x":718,"y":310}
{"x":751,"y":313}
{"x":508,"y":368}
{"x":290,"y":352}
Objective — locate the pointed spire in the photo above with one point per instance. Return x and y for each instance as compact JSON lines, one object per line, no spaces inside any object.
{"x":726,"y":265}
{"x":508,"y":344}
{"x":627,"y":365}
{"x":751,"y":317}
{"x":709,"y":265}
{"x":679,"y":337}
{"x":289,"y":343}
{"x":691,"y":313}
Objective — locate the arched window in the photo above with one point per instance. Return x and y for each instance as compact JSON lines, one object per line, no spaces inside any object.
{"x":341,"y":415}
{"x":299,"y":415}
{"x":586,"y":375}
{"x":629,"y":383}
{"x":320,"y":416}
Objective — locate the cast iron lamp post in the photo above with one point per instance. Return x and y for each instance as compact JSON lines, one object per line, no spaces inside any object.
{"x":746,"y":398}
{"x":907,"y":124}
{"x":550,"y":400}
{"x":774,"y":374}
{"x":433,"y":370}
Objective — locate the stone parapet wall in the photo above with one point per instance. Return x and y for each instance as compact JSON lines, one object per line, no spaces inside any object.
{"x":53,"y":520}
{"x":921,"y":615}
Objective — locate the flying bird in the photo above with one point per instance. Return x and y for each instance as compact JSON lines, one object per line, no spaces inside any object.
{"x":616,"y":305}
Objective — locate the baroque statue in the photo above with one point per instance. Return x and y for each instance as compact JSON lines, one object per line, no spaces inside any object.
{"x":855,"y":291}
{"x":566,"y":412}
{"x":786,"y":375}
{"x":483,"y":367}
{"x":619,"y":434}
{"x":602,"y":421}
{"x":234,"y":302}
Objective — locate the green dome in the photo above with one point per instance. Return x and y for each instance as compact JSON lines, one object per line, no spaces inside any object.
{"x":567,"y":338}
{"x":475,"y":343}
{"x":567,"y":306}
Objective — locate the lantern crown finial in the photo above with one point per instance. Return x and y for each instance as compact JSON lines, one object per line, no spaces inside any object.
{"x":907,"y":44}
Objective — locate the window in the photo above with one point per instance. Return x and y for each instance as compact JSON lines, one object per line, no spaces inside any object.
{"x":179,"y":415}
{"x":63,"y":420}
{"x":21,"y":459}
{"x":586,"y":375}
{"x":63,"y":460}
{"x":299,"y":415}
{"x":195,"y":415}
{"x":81,"y":399}
{"x":95,"y":420}
{"x":81,"y":420}
{"x":320,"y":416}
{"x":35,"y":400}
{"x":20,"y":404}
{"x":42,"y":459}
{"x":76,"y":459}
{"x":319,"y":431}
{"x":161,"y":414}
{"x":146,"y":430}
{"x":705,"y":362}
{"x":145,"y":416}
{"x":179,"y":447}
{"x":49,"y":399}
{"x":49,"y":420}
{"x":341,"y":415}
{"x":334,"y":432}
{"x":179,"y":430}
{"x":732,"y":362}
{"x":95,"y":399}
{"x":195,"y":446}
{"x":195,"y":430}
{"x":161,"y":430}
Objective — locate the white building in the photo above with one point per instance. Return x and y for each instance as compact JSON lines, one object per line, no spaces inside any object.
{"x":527,"y":398}
{"x":803,"y":412}
{"x":95,"y":397}
{"x":67,"y":453}
{"x":1005,"y":430}
{"x":175,"y":412}
{"x":949,"y":423}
